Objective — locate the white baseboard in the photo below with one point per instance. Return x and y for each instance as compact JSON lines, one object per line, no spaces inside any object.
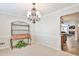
{"x":1,"y":48}
{"x":47,"y":45}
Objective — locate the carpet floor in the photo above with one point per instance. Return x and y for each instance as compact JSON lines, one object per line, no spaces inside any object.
{"x":33,"y":50}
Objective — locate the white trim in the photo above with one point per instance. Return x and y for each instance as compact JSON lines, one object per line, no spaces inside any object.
{"x":24,"y":17}
{"x":1,"y":48}
{"x":66,"y":8}
{"x":47,"y":45}
{"x":12,"y":15}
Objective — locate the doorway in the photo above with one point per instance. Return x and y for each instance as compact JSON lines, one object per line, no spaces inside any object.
{"x":69,"y":25}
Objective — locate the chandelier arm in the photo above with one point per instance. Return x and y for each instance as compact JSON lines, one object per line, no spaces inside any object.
{"x":33,"y":15}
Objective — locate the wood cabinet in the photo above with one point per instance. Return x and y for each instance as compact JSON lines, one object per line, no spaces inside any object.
{"x":63,"y":40}
{"x":70,"y":17}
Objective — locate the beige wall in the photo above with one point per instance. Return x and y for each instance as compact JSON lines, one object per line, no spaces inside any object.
{"x":45,"y":32}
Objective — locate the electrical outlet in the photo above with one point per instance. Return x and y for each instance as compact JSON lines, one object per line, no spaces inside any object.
{"x":2,"y":43}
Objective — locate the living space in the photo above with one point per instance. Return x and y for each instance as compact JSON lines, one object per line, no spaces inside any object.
{"x":39,"y":29}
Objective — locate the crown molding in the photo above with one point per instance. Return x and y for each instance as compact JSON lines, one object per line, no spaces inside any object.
{"x":24,"y":17}
{"x":65,"y":8}
{"x":12,"y":14}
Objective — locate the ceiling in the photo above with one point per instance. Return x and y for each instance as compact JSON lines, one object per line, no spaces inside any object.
{"x":22,"y":8}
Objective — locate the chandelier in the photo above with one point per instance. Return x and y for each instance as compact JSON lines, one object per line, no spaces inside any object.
{"x":33,"y":15}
